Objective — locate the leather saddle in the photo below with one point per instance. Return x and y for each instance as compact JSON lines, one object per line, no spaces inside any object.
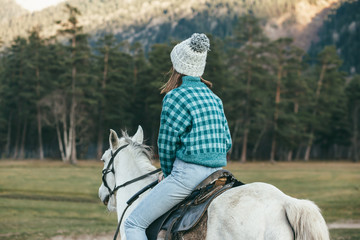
{"x":189,"y":212}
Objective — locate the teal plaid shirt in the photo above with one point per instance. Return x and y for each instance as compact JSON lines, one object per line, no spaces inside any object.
{"x":193,"y":127}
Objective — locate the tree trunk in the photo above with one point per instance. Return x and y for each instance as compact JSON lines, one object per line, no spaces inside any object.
{"x":247,"y":107}
{"x":317,"y":95}
{"x":39,"y":130}
{"x":273,"y":149}
{"x":39,"y":122}
{"x":101,"y":112}
{"x":233,"y":137}
{"x":18,"y":131}
{"x":276,"y":113}
{"x":72,"y":135}
{"x":66,"y":134}
{"x":289,"y":156}
{"x":244,"y":146}
{"x":23,"y":138}
{"x":309,"y":145}
{"x":320,"y":82}
{"x":8,"y":137}
{"x":72,"y":130}
{"x":100,"y":143}
{"x":73,"y":151}
{"x":246,"y":117}
{"x":298,"y":152}
{"x":296,"y":111}
{"x":258,"y":140}
{"x":355,"y":132}
{"x":17,"y":140}
{"x":61,"y":146}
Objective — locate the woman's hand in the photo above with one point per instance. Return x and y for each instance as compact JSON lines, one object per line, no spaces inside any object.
{"x":160,"y":177}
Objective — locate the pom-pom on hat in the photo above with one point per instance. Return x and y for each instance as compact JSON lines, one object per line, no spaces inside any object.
{"x":189,"y":56}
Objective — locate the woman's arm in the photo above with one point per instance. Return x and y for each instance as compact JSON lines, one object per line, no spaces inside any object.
{"x":174,"y":120}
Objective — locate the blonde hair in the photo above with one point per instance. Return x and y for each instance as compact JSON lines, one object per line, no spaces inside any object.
{"x":175,"y":81}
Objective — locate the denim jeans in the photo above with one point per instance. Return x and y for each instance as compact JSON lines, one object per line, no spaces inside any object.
{"x":172,"y":190}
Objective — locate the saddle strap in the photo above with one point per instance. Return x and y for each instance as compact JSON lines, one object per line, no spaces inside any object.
{"x":168,"y":233}
{"x":198,"y":211}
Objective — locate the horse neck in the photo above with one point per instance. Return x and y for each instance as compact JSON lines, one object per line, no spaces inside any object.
{"x":135,"y":166}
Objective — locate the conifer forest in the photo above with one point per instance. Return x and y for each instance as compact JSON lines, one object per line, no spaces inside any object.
{"x":60,"y":95}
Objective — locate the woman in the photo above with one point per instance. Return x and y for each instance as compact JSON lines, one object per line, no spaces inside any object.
{"x":194,"y":136}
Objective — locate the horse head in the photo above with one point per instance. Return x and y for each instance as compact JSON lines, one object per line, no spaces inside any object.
{"x":112,"y":157}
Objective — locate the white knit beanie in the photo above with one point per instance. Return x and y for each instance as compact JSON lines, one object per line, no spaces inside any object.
{"x":189,"y":56}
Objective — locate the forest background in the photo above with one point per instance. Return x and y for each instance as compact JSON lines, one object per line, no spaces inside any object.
{"x":286,"y":97}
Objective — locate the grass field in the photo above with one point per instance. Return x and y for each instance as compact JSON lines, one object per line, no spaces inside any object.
{"x":39,"y":200}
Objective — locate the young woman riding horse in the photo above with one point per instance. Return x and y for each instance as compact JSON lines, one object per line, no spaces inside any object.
{"x":194,"y":136}
{"x":193,"y":141}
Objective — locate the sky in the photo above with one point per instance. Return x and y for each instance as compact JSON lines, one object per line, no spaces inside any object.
{"x":35,"y":5}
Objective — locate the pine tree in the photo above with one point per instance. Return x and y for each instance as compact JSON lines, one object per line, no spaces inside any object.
{"x":247,"y":59}
{"x":78,"y":62}
{"x":36,"y":59}
{"x":155,"y":76}
{"x":53,"y":104}
{"x":106,"y":44}
{"x":115,"y":87}
{"x":3,"y":120}
{"x":140,"y":86}
{"x":353,"y":97}
{"x":329,"y":90}
{"x":295,"y":96}
{"x":215,"y":70}
{"x":17,"y":96}
{"x":286,"y":64}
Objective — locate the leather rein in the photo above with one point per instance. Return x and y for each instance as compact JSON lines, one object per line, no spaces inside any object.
{"x":108,"y":170}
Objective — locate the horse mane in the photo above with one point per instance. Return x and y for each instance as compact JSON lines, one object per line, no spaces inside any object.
{"x":140,"y":150}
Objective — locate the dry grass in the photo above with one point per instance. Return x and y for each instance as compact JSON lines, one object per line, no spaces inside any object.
{"x":39,"y":200}
{"x":334,"y":186}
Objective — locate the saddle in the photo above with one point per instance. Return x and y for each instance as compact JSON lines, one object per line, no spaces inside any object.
{"x":190,"y":211}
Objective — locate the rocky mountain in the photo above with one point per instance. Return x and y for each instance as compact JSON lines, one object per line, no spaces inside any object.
{"x":160,"y":20}
{"x":10,"y":10}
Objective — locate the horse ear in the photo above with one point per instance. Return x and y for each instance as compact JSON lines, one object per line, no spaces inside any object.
{"x":139,"y":135}
{"x":114,"y":140}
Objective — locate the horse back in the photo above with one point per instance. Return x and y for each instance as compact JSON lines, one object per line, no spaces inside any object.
{"x":260,"y":211}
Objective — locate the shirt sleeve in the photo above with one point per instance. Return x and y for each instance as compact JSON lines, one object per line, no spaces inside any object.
{"x":228,"y":136}
{"x":167,"y":141}
{"x":173,"y":122}
{"x":226,"y":129}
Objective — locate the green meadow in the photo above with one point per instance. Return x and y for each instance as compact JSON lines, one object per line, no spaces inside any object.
{"x":40,"y":200}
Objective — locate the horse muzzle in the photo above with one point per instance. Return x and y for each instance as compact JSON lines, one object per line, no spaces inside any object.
{"x":106,"y":200}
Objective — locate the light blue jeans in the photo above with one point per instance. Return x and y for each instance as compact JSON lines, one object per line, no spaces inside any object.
{"x":172,"y":190}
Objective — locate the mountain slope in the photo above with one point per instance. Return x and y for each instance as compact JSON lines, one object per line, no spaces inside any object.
{"x":156,"y":21}
{"x":342,"y":29}
{"x":10,"y":11}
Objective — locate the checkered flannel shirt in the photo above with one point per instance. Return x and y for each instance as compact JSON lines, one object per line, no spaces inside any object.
{"x":193,"y":127}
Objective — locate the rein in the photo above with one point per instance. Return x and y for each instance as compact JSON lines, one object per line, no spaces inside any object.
{"x":107,"y":170}
{"x":137,"y":179}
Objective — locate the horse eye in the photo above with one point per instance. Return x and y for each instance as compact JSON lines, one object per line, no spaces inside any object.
{"x":102,"y":160}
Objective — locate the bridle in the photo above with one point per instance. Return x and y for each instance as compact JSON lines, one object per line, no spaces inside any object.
{"x":108,"y":170}
{"x":111,"y":169}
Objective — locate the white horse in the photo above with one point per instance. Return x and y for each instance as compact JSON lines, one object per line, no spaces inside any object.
{"x":251,"y":211}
